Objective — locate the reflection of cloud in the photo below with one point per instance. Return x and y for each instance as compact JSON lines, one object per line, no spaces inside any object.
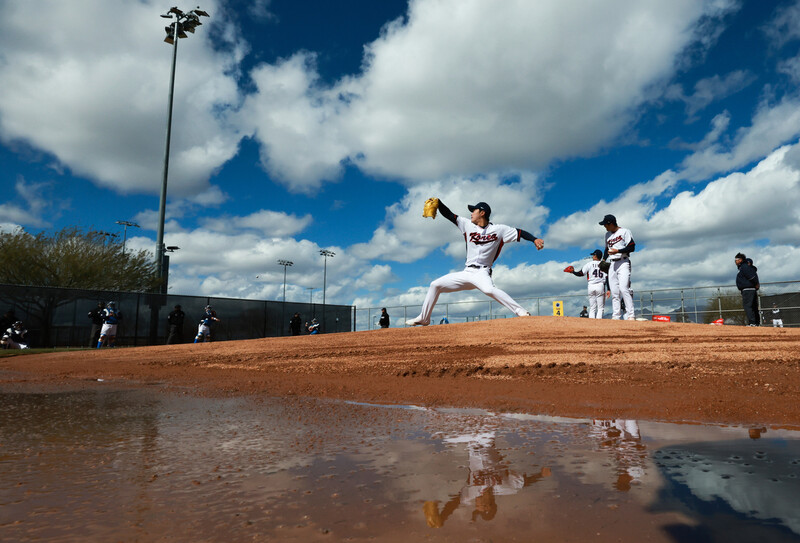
{"x":751,"y":482}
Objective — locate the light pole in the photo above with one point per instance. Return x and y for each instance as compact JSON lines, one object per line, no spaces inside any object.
{"x":285,"y":264}
{"x":126,"y":224}
{"x":181,"y":23}
{"x":311,"y":298}
{"x":170,"y":249}
{"x":325,"y":253}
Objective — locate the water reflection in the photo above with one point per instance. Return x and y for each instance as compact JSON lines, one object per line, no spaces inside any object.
{"x":622,"y":439}
{"x":488,"y":476}
{"x":142,"y":465}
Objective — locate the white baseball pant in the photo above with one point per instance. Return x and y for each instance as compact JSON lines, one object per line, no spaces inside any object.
{"x":597,"y":300}
{"x":619,"y":282}
{"x":468,"y":279}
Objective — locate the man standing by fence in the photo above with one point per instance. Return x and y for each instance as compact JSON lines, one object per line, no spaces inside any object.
{"x":747,"y":283}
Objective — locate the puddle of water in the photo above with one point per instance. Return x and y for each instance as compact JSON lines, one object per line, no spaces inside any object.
{"x":144,"y":465}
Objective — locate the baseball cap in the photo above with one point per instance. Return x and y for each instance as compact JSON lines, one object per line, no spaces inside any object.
{"x":608,"y":219}
{"x":739,"y":255}
{"x":597,"y":252}
{"x":483,"y":206}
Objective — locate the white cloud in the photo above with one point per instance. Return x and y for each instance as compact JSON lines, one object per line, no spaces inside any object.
{"x":376,"y":277}
{"x":467,"y":86}
{"x":771,"y":127}
{"x":34,"y":206}
{"x":273,"y":224}
{"x":785,"y":26}
{"x":95,"y":95}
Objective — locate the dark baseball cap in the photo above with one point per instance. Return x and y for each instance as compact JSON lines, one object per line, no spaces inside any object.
{"x":597,"y":252}
{"x":739,"y":255}
{"x":483,"y":206}
{"x":608,"y":219}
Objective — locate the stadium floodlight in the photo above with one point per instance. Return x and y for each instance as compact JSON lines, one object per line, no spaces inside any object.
{"x":126,"y":224}
{"x":179,"y":22}
{"x":172,"y":248}
{"x":285,"y":264}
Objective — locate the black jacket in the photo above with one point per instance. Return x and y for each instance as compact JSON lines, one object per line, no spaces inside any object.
{"x":176,"y":317}
{"x":384,"y":320}
{"x":96,"y":315}
{"x":747,"y":276}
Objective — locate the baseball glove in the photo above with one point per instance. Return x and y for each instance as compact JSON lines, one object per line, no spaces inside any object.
{"x":569,"y":269}
{"x":604,"y":266}
{"x":431,"y":206}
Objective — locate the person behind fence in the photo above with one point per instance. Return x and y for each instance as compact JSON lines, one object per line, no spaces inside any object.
{"x":384,"y":320}
{"x":584,"y":313}
{"x":313,"y":327}
{"x":777,"y":321}
{"x":111,"y":318}
{"x":96,"y":316}
{"x":14,"y":337}
{"x":747,"y":282}
{"x":175,"y":320}
{"x":295,"y":323}
{"x":204,"y":328}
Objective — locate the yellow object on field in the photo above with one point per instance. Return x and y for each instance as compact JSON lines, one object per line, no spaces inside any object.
{"x":558,"y":309}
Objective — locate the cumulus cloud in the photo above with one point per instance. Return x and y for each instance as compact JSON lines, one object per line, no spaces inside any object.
{"x":272,"y":224}
{"x":96,"y":97}
{"x":461,"y":87}
{"x":771,"y":126}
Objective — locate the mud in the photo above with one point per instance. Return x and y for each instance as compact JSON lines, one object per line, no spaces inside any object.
{"x":542,"y":365}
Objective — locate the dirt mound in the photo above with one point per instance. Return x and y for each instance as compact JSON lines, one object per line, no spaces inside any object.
{"x":547,"y":365}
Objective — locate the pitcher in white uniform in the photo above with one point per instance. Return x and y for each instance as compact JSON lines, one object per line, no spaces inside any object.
{"x":619,"y":246}
{"x":484,"y":243}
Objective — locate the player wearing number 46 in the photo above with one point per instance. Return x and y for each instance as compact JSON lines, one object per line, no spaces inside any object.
{"x":484,"y":241}
{"x":619,"y":246}
{"x":598,"y":280}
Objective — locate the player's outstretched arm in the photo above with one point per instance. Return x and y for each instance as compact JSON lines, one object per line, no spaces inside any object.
{"x":446,"y":213}
{"x":539,"y":242}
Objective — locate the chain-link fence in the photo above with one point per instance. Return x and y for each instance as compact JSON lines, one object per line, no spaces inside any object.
{"x":689,"y":304}
{"x":59,"y":316}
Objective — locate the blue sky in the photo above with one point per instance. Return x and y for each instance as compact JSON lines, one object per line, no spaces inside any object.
{"x":302,"y":126}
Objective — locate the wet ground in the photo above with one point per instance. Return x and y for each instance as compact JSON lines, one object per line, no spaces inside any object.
{"x":150,"y":464}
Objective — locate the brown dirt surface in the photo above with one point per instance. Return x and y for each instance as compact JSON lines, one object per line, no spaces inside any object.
{"x":543,"y":365}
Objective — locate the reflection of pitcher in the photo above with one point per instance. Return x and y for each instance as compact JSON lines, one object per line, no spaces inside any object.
{"x":488,"y":477}
{"x":623,"y":439}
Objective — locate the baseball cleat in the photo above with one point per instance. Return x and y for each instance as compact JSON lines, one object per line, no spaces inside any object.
{"x":416,"y":322}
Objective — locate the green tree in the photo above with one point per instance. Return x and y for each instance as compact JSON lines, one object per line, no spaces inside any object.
{"x":729,"y":304}
{"x":67,"y":259}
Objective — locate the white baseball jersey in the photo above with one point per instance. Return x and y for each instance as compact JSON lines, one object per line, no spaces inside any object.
{"x":618,"y":240}
{"x":484,"y":244}
{"x":594,"y":275}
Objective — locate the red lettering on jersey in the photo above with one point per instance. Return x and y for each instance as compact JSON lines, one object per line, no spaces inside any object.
{"x":612,"y":241}
{"x":479,"y":239}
